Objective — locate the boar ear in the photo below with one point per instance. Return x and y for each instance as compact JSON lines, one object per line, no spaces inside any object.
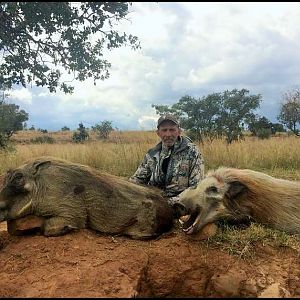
{"x":236,"y":189}
{"x":38,"y":165}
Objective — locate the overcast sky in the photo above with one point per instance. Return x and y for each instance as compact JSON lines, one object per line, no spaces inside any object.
{"x":187,"y":49}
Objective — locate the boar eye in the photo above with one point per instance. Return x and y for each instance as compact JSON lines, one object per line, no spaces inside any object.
{"x":17,"y":181}
{"x":18,"y":177}
{"x":211,"y":189}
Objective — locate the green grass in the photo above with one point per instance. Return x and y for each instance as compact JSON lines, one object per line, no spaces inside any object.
{"x":242,"y":242}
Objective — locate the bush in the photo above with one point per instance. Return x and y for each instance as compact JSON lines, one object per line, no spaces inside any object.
{"x":81,"y":136}
{"x":103,"y":129}
{"x":3,"y":141}
{"x":43,"y":140}
{"x":43,"y":130}
{"x":264,"y":133}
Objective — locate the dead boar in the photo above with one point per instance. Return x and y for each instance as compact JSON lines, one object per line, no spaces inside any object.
{"x":72,"y":196}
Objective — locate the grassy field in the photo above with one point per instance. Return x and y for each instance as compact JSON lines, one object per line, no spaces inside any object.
{"x":123,"y":151}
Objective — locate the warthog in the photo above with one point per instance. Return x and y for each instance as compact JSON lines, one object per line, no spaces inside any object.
{"x":237,"y":194}
{"x":73,"y":196}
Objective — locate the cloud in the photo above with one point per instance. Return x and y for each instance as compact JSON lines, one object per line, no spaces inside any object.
{"x":187,"y":49}
{"x":148,"y":122}
{"x":22,"y":95}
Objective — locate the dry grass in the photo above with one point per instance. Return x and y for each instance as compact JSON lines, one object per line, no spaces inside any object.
{"x":277,"y":156}
{"x":123,"y":151}
{"x":24,"y":137}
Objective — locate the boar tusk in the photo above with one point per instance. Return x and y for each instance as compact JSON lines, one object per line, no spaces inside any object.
{"x":184,"y":219}
{"x":25,"y":208}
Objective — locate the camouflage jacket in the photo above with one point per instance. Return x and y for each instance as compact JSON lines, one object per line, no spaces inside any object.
{"x":185,"y":168}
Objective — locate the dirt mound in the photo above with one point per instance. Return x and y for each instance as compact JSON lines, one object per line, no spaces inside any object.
{"x":88,"y":264}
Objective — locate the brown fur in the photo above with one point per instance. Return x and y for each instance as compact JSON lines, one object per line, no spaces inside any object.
{"x":74,"y":196}
{"x":237,"y":193}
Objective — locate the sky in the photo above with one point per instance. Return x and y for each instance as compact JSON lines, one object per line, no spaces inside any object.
{"x":187,"y":49}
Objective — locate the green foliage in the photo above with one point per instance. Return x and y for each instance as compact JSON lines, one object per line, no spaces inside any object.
{"x":237,"y":108}
{"x":257,"y":123}
{"x":80,"y":136}
{"x":37,"y":39}
{"x":3,"y":141}
{"x":11,"y":121}
{"x":214,"y":114}
{"x":242,"y":243}
{"x":43,"y":130}
{"x":103,"y":129}
{"x":290,"y":110}
{"x":164,"y":109}
{"x":65,"y":128}
{"x":32,"y":128}
{"x":43,"y":140}
{"x":262,"y":127}
{"x":277,"y":127}
{"x":264,"y":133}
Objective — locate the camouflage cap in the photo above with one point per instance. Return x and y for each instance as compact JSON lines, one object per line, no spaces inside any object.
{"x":167,"y":117}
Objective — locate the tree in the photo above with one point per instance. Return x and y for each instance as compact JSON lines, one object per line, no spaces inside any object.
{"x":214,"y":114}
{"x":39,"y":39}
{"x":11,"y":121}
{"x":290,"y":110}
{"x":65,"y":128}
{"x":277,"y":127}
{"x":198,"y":116}
{"x":237,"y":108}
{"x":103,"y":129}
{"x":80,"y":136}
{"x":43,"y":130}
{"x":257,"y":123}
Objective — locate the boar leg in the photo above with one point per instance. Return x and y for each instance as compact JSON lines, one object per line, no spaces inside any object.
{"x":56,"y":226}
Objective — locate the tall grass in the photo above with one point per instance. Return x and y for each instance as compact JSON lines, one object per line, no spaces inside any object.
{"x":119,"y":155}
{"x":123,"y":151}
{"x":278,"y":155}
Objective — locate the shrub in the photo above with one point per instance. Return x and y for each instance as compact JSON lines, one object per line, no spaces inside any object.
{"x":103,"y":129}
{"x":43,"y":130}
{"x":81,"y":135}
{"x":264,"y":133}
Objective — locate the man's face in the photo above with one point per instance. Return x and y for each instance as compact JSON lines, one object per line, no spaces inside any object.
{"x":168,"y":132}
